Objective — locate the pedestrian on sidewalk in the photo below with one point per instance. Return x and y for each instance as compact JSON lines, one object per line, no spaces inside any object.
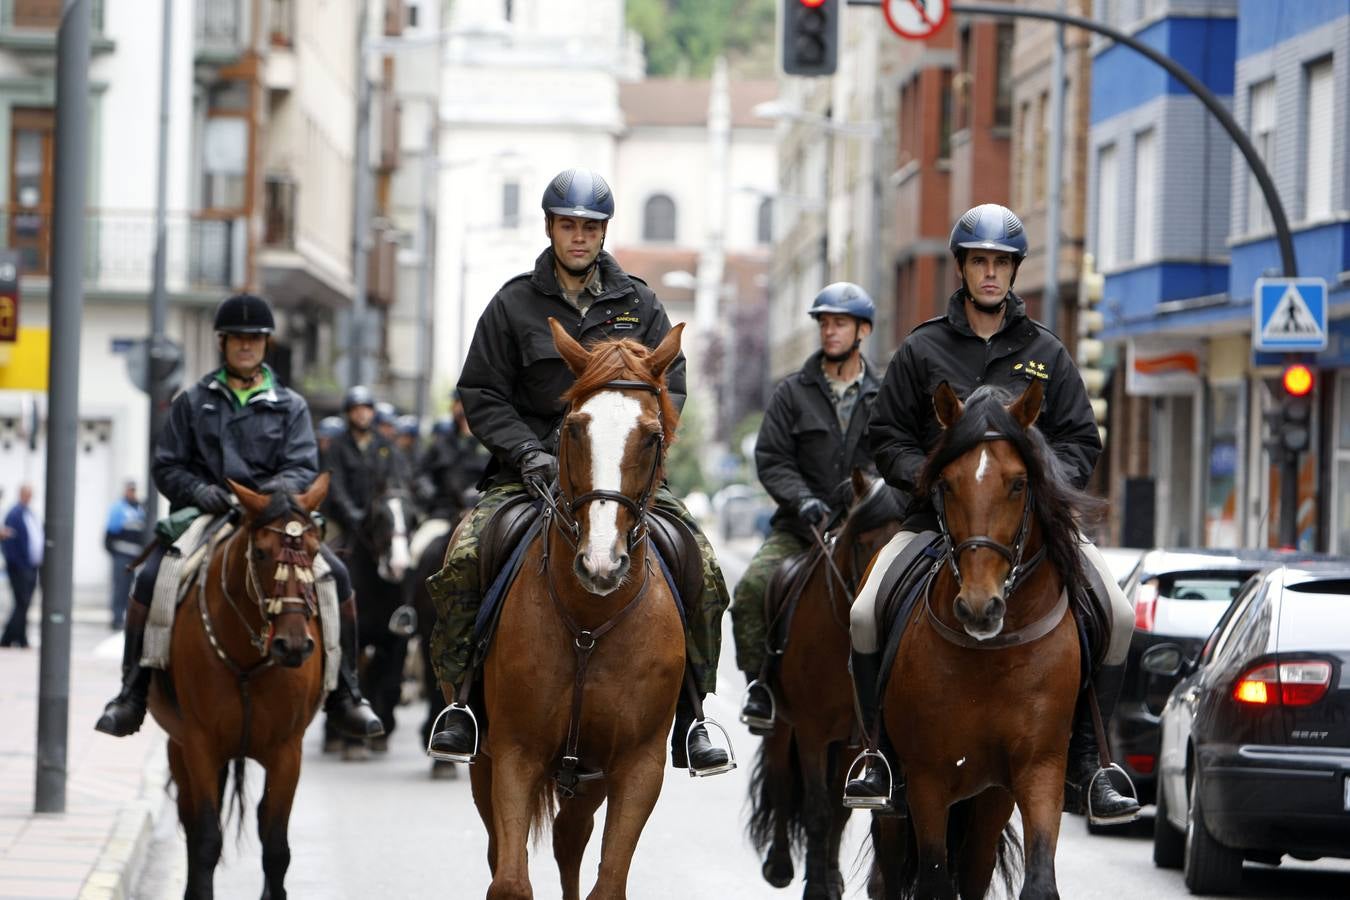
{"x":123,"y":539}
{"x":22,"y":548}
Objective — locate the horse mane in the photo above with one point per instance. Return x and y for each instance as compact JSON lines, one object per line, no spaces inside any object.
{"x":617,"y":360}
{"x":1060,"y":507}
{"x":881,"y":504}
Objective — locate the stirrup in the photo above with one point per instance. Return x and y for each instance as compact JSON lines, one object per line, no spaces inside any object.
{"x":873,"y":803}
{"x":466,"y":758}
{"x":1133,"y":794}
{"x":712,"y":770}
{"x":766,"y":725}
{"x":403,"y":621}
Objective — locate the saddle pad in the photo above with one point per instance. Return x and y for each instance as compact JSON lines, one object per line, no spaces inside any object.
{"x":899,"y":593}
{"x":325,"y":587}
{"x":1094,"y":616}
{"x":181,"y":561}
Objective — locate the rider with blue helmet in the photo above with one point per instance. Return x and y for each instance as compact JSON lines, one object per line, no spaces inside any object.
{"x":811,"y":439}
{"x":986,"y":338}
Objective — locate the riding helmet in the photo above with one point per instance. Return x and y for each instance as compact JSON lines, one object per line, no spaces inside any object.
{"x":244,"y":314}
{"x":580,"y":193}
{"x":331,"y":427}
{"x":385,"y":413}
{"x":989,"y":226}
{"x":408,"y":425}
{"x":358,"y":395}
{"x":844,"y":298}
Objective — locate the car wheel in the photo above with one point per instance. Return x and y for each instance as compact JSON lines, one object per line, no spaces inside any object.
{"x":1169,"y":845}
{"x":1210,"y":867}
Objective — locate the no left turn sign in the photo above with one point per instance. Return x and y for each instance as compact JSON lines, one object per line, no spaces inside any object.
{"x":915,"y":19}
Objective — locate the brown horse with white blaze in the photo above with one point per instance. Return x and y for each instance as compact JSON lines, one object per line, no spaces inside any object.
{"x":581,"y":682}
{"x":981,"y":696}
{"x":244,"y":680}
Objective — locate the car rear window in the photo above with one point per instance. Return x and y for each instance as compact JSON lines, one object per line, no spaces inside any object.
{"x":1315,"y":617}
{"x":1330,"y":586}
{"x":1203,"y":586}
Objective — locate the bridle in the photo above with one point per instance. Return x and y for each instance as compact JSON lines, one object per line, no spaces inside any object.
{"x":1018,"y":571}
{"x":563,"y":510}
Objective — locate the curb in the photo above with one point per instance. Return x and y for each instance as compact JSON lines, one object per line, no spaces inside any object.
{"x":119,"y":865}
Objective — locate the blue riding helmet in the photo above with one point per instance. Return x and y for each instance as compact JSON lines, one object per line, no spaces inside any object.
{"x":331,"y":427}
{"x":443,"y":426}
{"x":844,"y":298}
{"x":580,"y":193}
{"x":358,"y":395}
{"x":408,"y":425}
{"x":385,"y":413}
{"x":989,"y":227}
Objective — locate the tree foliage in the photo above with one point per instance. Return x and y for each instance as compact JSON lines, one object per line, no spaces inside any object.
{"x":684,"y":37}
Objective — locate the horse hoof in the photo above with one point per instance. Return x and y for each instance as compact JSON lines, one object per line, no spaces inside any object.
{"x":443,"y":771}
{"x":355,"y":752}
{"x":815,"y":890}
{"x":380,"y":743}
{"x":332,"y":744}
{"x":777,"y":870}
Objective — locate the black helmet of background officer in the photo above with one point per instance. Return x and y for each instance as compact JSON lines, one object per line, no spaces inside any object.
{"x":244,"y":326}
{"x":998,"y":231}
{"x":577,"y":208}
{"x":845,"y":314}
{"x":359,"y":407}
{"x":386,"y":419}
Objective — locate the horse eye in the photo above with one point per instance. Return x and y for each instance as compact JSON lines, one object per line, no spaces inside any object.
{"x":1018,"y":486}
{"x":259,"y":554}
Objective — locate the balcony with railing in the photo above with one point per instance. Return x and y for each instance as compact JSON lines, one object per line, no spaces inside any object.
{"x":30,"y":25}
{"x":204,"y":254}
{"x":222,"y":29}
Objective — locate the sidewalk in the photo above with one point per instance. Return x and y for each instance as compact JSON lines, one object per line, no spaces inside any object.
{"x":113,"y":788}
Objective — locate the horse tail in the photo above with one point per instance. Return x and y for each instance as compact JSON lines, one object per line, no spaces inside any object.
{"x":237,"y":798}
{"x":545,"y":807}
{"x":1008,"y":862}
{"x":768,"y":788}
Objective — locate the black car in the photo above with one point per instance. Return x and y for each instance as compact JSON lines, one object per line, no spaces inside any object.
{"x":1178,"y":596}
{"x":1255,"y":760}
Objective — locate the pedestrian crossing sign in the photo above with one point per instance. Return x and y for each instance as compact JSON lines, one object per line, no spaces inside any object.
{"x":1289,"y":314}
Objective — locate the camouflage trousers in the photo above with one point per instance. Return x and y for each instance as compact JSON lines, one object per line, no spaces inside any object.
{"x":748,"y":623}
{"x":457,"y":594}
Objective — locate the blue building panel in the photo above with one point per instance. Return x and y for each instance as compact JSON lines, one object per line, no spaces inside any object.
{"x":1133,"y":296}
{"x":1319,"y":252}
{"x":1123,"y":79}
{"x":1265,"y":23}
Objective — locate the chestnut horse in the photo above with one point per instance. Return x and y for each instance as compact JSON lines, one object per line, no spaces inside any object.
{"x":588,"y":658}
{"x":799,"y":775}
{"x":243,"y":678}
{"x":981,"y":695}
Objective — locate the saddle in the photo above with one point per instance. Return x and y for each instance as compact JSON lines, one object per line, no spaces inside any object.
{"x":678,"y":553}
{"x":782,"y":594}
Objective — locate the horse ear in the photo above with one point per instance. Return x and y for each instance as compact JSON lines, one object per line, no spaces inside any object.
{"x":314,"y":494}
{"x":575,"y":355}
{"x":253,"y":502}
{"x":1027,"y":407}
{"x":947,"y":405}
{"x":666,"y":351}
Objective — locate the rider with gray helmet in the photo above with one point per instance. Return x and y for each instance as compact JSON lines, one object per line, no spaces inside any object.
{"x":811,"y":439}
{"x":986,"y":338}
{"x":236,"y":423}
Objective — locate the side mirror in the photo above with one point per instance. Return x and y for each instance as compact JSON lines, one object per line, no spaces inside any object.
{"x":1166,"y":660}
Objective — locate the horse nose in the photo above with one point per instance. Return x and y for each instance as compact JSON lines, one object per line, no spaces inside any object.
{"x":620,"y":562}
{"x":962,"y":609}
{"x":997,"y":607}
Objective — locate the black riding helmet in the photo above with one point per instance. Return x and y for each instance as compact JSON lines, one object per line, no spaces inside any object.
{"x":358,"y":395}
{"x":580,"y":193}
{"x":244,"y":314}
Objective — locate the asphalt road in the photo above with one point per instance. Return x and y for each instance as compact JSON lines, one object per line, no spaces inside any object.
{"x":384,"y":828}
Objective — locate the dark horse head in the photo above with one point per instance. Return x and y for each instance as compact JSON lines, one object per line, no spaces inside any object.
{"x":1002,"y":499}
{"x":388,"y":529}
{"x":282,"y":544}
{"x":611,"y":449}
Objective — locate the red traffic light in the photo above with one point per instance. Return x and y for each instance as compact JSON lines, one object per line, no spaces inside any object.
{"x":1298,"y":381}
{"x":812,"y":3}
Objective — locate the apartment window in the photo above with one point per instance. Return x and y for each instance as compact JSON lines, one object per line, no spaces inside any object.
{"x":1145,"y":192}
{"x":1108,"y":186}
{"x":1261,"y":100}
{"x":658,"y":218}
{"x":764,"y":221}
{"x":1003,"y":105}
{"x":1318,"y":141}
{"x":32,"y":163}
{"x":225,"y":147}
{"x":511,"y":204}
{"x":279,"y":211}
{"x":961,"y":83}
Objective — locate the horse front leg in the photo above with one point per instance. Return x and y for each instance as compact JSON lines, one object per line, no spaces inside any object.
{"x":1040,"y":796}
{"x":571,"y":833}
{"x":979,"y":856}
{"x":197,"y":775}
{"x":928,"y":812}
{"x":634,"y":785}
{"x":840,"y":754}
{"x":817,"y":814}
{"x":274,"y":816}
{"x":515,"y":795}
{"x":777,"y":792}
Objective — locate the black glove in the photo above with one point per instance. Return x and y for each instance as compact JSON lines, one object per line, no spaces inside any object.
{"x":812,"y":510}
{"x":538,"y":464}
{"x":211,"y":498}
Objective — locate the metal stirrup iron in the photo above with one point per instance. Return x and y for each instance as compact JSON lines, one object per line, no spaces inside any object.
{"x":712,"y":770}
{"x":466,"y":758}
{"x":874,"y":803}
{"x":756,"y":721}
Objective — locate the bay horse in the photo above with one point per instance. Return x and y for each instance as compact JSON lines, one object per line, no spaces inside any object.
{"x":243,"y":679}
{"x":582,"y":678}
{"x":799,"y":774}
{"x":980,"y":699}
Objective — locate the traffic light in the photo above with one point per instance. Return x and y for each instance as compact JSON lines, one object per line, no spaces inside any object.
{"x":1296,"y":411}
{"x":810,"y":36}
{"x":1092,"y":351}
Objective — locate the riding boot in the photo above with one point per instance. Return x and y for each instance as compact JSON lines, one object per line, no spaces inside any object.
{"x":877,"y":785}
{"x":124,"y":713}
{"x":346,"y":708}
{"x":690,"y":746}
{"x":757,"y":711}
{"x":457,"y":739}
{"x":1088,"y":789}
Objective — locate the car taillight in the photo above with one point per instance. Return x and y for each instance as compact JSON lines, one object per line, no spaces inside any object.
{"x":1145,"y":606}
{"x":1295,"y":683}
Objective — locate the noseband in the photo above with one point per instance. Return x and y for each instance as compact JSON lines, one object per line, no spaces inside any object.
{"x":564,"y":509}
{"x":1018,"y":571}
